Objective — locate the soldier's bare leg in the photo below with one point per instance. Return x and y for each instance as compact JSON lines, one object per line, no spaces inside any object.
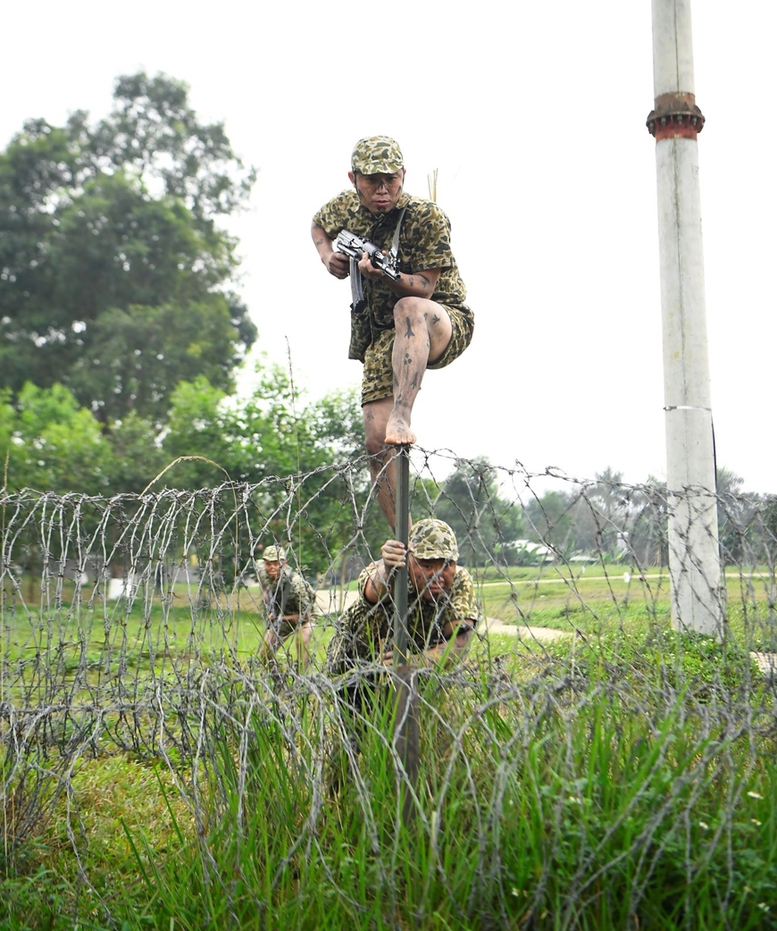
{"x":422,"y":333}
{"x":304,"y":633}
{"x":270,"y":644}
{"x":382,"y":466}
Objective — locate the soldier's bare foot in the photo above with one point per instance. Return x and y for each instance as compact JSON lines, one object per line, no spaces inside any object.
{"x":398,"y":433}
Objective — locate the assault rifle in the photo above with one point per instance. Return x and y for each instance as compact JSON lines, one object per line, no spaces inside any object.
{"x":355,"y":246}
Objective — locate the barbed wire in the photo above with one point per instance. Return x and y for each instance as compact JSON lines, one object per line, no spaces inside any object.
{"x":132,"y":624}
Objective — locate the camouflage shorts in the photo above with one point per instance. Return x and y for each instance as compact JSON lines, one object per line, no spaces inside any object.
{"x":378,"y":375}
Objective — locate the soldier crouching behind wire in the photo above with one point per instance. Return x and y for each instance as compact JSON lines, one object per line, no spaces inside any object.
{"x":442,"y":611}
{"x":441,"y":620}
{"x":289,"y":601}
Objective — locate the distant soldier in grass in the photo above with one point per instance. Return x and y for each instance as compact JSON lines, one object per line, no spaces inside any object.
{"x":442,"y":611}
{"x":289,"y":601}
{"x":413,"y":321}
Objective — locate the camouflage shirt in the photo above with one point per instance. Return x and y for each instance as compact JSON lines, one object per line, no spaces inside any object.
{"x":288,"y":594}
{"x":424,"y":243}
{"x":364,"y":630}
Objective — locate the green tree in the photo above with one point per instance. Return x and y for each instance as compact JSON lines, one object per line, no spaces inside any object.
{"x":648,"y":536}
{"x":136,"y":456}
{"x":7,"y":427}
{"x":196,"y":435}
{"x":53,"y":444}
{"x":470,"y":501}
{"x":769,"y":530}
{"x":550,"y":521}
{"x":50,"y":443}
{"x":115,"y":280}
{"x":306,"y":492}
{"x":601,"y":516}
{"x":155,"y":135}
{"x":738,"y":519}
{"x":353,"y":518}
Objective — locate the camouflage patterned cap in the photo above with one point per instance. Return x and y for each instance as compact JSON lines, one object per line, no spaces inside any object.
{"x":431,"y":538}
{"x":274,"y":554}
{"x":377,"y":155}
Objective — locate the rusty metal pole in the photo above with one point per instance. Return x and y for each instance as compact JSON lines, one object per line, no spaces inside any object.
{"x":402,"y":457}
{"x":698,"y":602}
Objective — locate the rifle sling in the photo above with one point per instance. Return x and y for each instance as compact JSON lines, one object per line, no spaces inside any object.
{"x":357,"y":285}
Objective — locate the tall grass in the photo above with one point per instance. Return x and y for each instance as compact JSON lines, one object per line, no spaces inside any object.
{"x":627,"y":784}
{"x":620,"y":777}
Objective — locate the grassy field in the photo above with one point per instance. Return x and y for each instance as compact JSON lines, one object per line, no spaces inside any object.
{"x":548,"y":597}
{"x":621,"y":777}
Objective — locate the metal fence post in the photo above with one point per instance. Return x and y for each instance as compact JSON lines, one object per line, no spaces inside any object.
{"x":402,"y":457}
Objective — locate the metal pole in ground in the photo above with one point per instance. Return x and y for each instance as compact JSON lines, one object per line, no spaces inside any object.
{"x":406,"y":735}
{"x":676,"y":120}
{"x":402,"y":456}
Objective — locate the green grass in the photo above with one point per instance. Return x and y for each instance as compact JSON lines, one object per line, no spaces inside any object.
{"x":623,"y":777}
{"x":554,"y":597}
{"x":609,"y":806}
{"x":593,"y":602}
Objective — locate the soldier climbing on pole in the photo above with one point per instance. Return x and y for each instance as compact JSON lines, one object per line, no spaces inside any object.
{"x":409,"y":311}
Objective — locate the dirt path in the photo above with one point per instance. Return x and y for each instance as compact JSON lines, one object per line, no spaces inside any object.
{"x":493,"y":626}
{"x":330,"y":601}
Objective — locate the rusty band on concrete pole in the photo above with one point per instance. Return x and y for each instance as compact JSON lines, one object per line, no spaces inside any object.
{"x":675,"y":115}
{"x":402,"y":456}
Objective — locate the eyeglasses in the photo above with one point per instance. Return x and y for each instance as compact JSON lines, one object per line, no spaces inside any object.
{"x":378,"y":181}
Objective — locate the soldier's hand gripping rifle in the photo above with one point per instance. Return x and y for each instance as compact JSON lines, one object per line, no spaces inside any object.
{"x":354,"y":246}
{"x":361,"y":323}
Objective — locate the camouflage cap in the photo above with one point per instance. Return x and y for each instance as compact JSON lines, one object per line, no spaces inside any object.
{"x":431,"y":538}
{"x":274,"y":554}
{"x":377,"y":155}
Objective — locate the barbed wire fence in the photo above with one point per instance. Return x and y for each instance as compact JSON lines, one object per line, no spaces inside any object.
{"x":131,"y":625}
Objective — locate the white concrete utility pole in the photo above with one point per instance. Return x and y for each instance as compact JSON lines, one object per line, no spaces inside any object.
{"x":698,"y":601}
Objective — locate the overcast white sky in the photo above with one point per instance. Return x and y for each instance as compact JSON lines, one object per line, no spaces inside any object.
{"x":533,"y":114}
